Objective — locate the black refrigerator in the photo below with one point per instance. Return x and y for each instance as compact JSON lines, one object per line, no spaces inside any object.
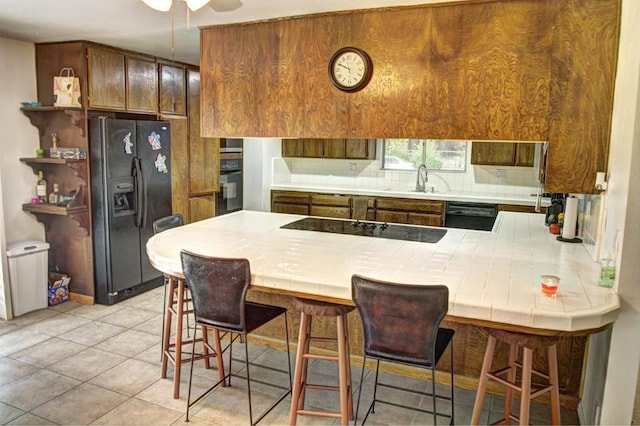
{"x":130,"y":188}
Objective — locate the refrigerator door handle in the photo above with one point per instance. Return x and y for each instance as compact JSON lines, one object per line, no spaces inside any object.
{"x":145,"y":197}
{"x":139,"y":207}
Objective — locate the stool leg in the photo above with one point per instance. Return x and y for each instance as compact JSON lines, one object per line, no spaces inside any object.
{"x":343,"y":366}
{"x":482,"y":385}
{"x":166,"y":329}
{"x":511,"y":377}
{"x":348,"y":361}
{"x":553,"y":380}
{"x":205,"y":343}
{"x":298,"y":377}
{"x":305,"y":361}
{"x":178,"y":346}
{"x":218,"y":346}
{"x":525,"y":395}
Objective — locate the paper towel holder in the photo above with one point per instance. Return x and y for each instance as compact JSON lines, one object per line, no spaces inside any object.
{"x":601,"y":181}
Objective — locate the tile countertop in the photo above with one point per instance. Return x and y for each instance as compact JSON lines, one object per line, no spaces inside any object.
{"x":477,"y":197}
{"x":491,"y":276}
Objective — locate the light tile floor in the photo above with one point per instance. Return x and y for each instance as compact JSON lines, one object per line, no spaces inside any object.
{"x":78,"y":364}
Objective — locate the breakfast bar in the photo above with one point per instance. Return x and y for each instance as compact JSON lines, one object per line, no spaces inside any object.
{"x":493,"y":276}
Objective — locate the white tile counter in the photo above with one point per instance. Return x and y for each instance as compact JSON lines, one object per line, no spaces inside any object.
{"x":491,"y":276}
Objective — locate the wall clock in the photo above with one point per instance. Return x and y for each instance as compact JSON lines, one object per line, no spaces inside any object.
{"x":350,"y":69}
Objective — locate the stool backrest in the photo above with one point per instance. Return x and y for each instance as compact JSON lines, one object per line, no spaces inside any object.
{"x":218,"y":288}
{"x":167,"y":222}
{"x":400,"y":321}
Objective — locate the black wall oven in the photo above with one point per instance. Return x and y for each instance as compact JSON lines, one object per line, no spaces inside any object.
{"x":229,"y":198}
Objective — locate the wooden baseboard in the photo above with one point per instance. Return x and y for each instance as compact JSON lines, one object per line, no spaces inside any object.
{"x":81,"y":298}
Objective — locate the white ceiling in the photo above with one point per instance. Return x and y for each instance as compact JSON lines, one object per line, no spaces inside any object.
{"x":130,"y":24}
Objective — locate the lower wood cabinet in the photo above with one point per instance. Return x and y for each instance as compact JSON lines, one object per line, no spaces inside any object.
{"x":290,"y":202}
{"x":381,"y":209}
{"x":410,"y":211}
{"x":330,"y":205}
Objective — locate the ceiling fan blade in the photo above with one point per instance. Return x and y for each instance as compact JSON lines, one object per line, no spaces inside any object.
{"x":225,"y":5}
{"x":196,"y":4}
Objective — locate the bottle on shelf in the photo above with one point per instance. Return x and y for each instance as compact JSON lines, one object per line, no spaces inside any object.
{"x":54,"y":152}
{"x":41,"y":188}
{"x":55,"y":197}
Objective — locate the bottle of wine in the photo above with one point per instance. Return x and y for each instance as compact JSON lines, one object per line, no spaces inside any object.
{"x":41,"y":188}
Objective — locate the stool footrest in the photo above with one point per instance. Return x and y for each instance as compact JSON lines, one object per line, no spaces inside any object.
{"x":322,"y":357}
{"x":321,"y":387}
{"x":319,"y":413}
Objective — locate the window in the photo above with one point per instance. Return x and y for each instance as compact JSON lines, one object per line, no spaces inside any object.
{"x":408,"y":154}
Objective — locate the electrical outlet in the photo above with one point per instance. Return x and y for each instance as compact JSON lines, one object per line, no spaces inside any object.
{"x":501,"y":173}
{"x":352,"y":167}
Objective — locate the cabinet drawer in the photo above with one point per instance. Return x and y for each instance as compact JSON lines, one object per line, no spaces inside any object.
{"x":326,"y":211}
{"x":330,"y":200}
{"x":425,"y":219}
{"x":290,"y":208}
{"x":411,"y":205}
{"x":391,"y":216}
{"x":289,"y":198}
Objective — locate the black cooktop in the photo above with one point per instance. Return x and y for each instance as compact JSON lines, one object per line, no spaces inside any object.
{"x":369,"y":229}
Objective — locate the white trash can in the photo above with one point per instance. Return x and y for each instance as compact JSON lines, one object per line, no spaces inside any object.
{"x":28,"y":265}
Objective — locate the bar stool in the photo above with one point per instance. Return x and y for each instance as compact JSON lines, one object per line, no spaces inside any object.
{"x":529,"y":342}
{"x":308,"y":309}
{"x":175,"y":299}
{"x":172,"y":351}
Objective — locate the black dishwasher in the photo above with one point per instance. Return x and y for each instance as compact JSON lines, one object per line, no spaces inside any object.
{"x":478,"y":216}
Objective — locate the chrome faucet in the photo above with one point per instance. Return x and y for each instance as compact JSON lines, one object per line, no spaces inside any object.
{"x":422,"y":179}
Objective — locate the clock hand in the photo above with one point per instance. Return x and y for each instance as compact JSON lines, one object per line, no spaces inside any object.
{"x":344,"y":66}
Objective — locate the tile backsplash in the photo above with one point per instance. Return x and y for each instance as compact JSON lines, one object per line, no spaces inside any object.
{"x":368,"y":174}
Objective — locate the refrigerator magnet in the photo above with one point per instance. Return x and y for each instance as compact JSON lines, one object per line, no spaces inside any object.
{"x":154,"y":140}
{"x":127,"y":143}
{"x":161,"y":163}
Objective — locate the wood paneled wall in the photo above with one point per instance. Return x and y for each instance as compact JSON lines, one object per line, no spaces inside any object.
{"x":495,"y":70}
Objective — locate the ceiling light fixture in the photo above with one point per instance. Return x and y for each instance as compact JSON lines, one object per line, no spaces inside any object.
{"x":165,"y":5}
{"x":193,"y":5}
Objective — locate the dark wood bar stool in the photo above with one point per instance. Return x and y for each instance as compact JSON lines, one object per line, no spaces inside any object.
{"x":308,"y":309}
{"x":523,"y":385}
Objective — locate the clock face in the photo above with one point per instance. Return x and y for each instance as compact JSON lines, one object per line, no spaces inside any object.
{"x":350,"y":69}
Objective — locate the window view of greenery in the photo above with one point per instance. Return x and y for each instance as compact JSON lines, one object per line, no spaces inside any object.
{"x":408,"y":154}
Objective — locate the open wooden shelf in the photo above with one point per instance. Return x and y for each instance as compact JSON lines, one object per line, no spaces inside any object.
{"x":46,"y":208}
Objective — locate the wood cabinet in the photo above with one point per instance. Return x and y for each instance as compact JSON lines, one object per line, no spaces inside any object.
{"x":503,"y":154}
{"x":481,"y":70}
{"x":110,"y":79}
{"x":382,"y":209}
{"x":410,"y":211}
{"x":142,"y":84}
{"x":354,"y":149}
{"x":123,"y":84}
{"x":290,"y":202}
{"x":330,"y":205}
{"x":172,"y":89}
{"x":107,"y":79}
{"x":292,"y":148}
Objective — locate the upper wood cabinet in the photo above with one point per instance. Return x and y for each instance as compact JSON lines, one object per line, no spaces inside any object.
{"x":503,"y":154}
{"x":481,"y":70}
{"x":356,"y":149}
{"x":204,"y":153}
{"x":172,"y":89}
{"x":142,"y":84}
{"x":110,"y":79}
{"x":107,"y":79}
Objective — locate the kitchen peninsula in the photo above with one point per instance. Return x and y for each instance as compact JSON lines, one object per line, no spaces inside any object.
{"x":492,"y":276}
